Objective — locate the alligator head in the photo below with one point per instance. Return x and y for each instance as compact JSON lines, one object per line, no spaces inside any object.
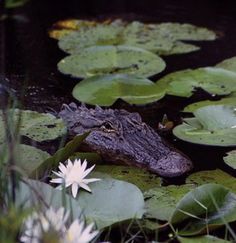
{"x":121,"y":137}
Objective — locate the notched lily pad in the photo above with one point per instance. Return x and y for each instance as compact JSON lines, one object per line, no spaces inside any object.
{"x":204,"y":209}
{"x":100,"y":60}
{"x":105,"y":90}
{"x":35,"y":125}
{"x":202,"y":239}
{"x":213,"y":80}
{"x":212,"y":125}
{"x":228,"y":64}
{"x":230,"y":159}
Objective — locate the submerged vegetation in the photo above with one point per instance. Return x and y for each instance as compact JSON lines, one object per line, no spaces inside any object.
{"x":116,"y":58}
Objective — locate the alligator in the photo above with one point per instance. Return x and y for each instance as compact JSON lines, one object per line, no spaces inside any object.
{"x":121,"y":137}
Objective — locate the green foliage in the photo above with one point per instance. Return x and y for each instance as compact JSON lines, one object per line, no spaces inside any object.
{"x":230,"y":159}
{"x":105,"y":90}
{"x":228,"y":64}
{"x":204,"y":209}
{"x":202,"y":239}
{"x":15,"y":3}
{"x":212,"y":125}
{"x":213,"y":80}
{"x":32,"y":124}
{"x":98,"y":60}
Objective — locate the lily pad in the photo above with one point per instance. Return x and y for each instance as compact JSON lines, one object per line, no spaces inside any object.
{"x":224,"y":101}
{"x":15,"y":3}
{"x":213,"y":80}
{"x":229,"y":64}
{"x":212,"y":176}
{"x":230,"y":159}
{"x":27,"y":158}
{"x":204,"y":209}
{"x":105,"y":90}
{"x":143,"y":179}
{"x":35,"y":125}
{"x":111,"y":201}
{"x":212,"y":125}
{"x":112,"y":60}
{"x":160,"y":202}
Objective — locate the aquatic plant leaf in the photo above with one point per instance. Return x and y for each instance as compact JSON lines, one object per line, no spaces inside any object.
{"x":60,"y":156}
{"x":224,"y":101}
{"x":111,"y":201}
{"x":230,"y":159}
{"x":160,"y":202}
{"x":202,"y":239}
{"x":143,"y":179}
{"x":212,"y":125}
{"x":103,"y":35}
{"x":204,"y":209}
{"x":35,"y":125}
{"x":15,"y":3}
{"x":38,"y":195}
{"x":105,"y":90}
{"x":99,"y":60}
{"x":229,"y":64}
{"x":212,"y":176}
{"x":26,"y":158}
{"x":213,"y":80}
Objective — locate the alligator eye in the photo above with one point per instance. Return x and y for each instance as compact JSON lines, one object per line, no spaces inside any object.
{"x":107,"y":126}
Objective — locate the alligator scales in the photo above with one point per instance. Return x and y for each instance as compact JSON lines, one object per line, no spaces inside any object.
{"x":121,"y":137}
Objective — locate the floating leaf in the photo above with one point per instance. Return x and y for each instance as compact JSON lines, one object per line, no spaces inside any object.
{"x":213,"y":125}
{"x":212,"y":176}
{"x":36,"y":194}
{"x":60,"y":156}
{"x":15,"y":3}
{"x":204,"y":209}
{"x":202,"y":239}
{"x":160,"y":202}
{"x":112,"y":60}
{"x":105,"y":90}
{"x":111,"y":201}
{"x":229,"y":64}
{"x":230,"y":159}
{"x":143,"y":179}
{"x":213,"y":80}
{"x":224,"y":101}
{"x":35,"y":125}
{"x":26,"y":157}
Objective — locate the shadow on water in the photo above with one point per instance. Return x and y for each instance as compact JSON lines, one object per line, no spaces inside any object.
{"x":31,"y":56}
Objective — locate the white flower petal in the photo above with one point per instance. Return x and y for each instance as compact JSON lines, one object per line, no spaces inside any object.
{"x":86,"y":181}
{"x":74,"y":189}
{"x":86,"y":172}
{"x":85,"y":186}
{"x":57,"y":180}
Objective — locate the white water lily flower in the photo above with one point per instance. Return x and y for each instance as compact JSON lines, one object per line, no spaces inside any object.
{"x":37,"y":224}
{"x":77,"y":233}
{"x":73,"y":174}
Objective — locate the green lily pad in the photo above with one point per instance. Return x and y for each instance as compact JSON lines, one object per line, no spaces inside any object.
{"x":204,"y":209}
{"x":229,"y":64}
{"x":212,"y":125}
{"x":15,"y":3}
{"x":224,"y":101}
{"x":230,"y":159}
{"x":160,"y":202}
{"x":202,"y":239}
{"x":98,"y":60}
{"x":111,"y":201}
{"x":27,"y":158}
{"x":212,"y":176}
{"x":213,"y":80}
{"x":143,"y":179}
{"x":35,"y":125}
{"x":105,"y":90}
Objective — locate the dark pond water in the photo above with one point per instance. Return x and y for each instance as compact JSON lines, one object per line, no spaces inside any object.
{"x":28,"y":57}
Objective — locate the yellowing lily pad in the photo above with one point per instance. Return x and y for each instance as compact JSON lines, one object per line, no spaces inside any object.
{"x":212,"y":125}
{"x":230,"y":159}
{"x":213,"y":80}
{"x":100,"y":60}
{"x":105,"y":90}
{"x":35,"y":125}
